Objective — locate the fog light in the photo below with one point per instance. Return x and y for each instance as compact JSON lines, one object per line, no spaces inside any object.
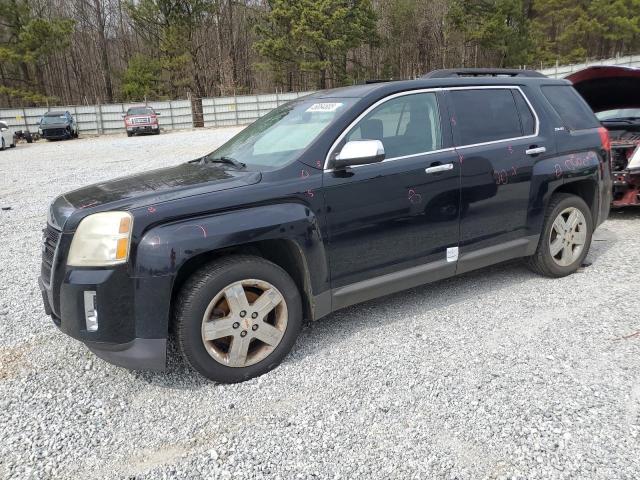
{"x":90,"y":311}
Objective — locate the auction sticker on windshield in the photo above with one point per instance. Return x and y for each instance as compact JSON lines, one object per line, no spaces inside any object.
{"x":324,"y":107}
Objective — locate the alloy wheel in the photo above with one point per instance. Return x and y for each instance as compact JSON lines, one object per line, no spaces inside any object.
{"x":244,"y":323}
{"x":568,"y":236}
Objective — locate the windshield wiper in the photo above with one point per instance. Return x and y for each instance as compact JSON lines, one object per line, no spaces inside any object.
{"x":223,"y":159}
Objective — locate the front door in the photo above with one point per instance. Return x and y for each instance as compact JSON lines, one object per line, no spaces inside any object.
{"x":392,"y":218}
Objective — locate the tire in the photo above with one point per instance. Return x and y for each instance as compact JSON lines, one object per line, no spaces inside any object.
{"x":203,"y":297}
{"x":2,"y":145}
{"x":544,"y":262}
{"x":157,"y":132}
{"x":129,"y":134}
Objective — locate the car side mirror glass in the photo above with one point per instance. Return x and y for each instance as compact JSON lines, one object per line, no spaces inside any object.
{"x":359,"y":152}
{"x":158,"y":114}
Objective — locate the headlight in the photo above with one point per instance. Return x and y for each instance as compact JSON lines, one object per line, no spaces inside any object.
{"x":102,"y":239}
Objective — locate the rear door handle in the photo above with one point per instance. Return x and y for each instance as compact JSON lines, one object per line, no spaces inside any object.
{"x":535,"y":150}
{"x":439,"y":168}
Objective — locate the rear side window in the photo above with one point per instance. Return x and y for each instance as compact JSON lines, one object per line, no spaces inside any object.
{"x":485,"y":115}
{"x":571,"y":107}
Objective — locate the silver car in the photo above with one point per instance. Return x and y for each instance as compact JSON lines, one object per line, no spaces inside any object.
{"x":6,"y":136}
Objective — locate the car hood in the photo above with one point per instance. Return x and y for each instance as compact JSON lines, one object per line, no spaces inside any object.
{"x":608,"y":87}
{"x":148,"y":188}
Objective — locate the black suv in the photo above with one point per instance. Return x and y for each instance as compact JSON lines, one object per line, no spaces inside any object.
{"x":333,"y":199}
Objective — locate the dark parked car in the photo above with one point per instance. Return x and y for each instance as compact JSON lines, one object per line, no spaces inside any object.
{"x":330,"y":200}
{"x":58,"y":126}
{"x":142,"y":119}
{"x":613,"y":92}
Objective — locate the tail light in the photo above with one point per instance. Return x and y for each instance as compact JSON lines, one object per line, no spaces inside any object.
{"x":605,"y":140}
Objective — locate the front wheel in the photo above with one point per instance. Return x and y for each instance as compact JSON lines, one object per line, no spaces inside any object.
{"x":237,"y":318}
{"x":565,"y":239}
{"x":2,"y":145}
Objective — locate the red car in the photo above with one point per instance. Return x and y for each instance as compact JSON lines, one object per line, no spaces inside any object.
{"x":614,"y":95}
{"x":141,"y":119}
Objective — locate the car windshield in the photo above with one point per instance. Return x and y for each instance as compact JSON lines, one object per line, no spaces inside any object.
{"x":140,"y":111}
{"x":48,"y":119}
{"x":623,"y":113}
{"x":278,"y":137}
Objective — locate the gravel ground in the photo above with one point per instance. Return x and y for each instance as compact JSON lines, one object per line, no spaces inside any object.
{"x":495,"y":374}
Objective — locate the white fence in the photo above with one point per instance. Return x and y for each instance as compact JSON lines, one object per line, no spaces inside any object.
{"x":561,"y":71}
{"x":174,"y":114}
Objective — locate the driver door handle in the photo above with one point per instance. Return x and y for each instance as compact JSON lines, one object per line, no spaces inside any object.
{"x":535,"y":150}
{"x":439,"y":168}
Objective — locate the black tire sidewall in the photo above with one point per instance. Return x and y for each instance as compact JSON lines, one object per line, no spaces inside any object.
{"x":190,"y":320}
{"x":550,"y":264}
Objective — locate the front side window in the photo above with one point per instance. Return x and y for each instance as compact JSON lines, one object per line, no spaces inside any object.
{"x":485,"y":115}
{"x":280,"y":136}
{"x":406,"y":125}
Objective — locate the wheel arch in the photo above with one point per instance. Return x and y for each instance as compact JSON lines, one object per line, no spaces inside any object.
{"x":586,"y":189}
{"x":283,"y":252}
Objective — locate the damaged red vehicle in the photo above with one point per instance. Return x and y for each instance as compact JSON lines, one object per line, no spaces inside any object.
{"x":614,"y":95}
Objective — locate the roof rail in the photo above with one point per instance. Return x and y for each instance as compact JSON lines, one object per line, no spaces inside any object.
{"x":483,"y":72}
{"x":378,"y":80}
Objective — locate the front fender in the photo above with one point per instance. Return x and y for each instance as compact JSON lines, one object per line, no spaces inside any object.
{"x":165,"y":248}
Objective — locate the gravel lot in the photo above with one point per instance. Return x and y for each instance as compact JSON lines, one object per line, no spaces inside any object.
{"x":495,"y":374}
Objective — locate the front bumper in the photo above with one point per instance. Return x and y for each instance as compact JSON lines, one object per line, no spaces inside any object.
{"x":132,"y":313}
{"x":142,"y":128}
{"x":56,"y":134}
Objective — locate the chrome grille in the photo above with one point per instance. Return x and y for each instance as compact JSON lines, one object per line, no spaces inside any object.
{"x":141,"y":120}
{"x":50,"y":238}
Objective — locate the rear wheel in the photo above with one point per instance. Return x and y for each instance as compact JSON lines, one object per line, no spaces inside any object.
{"x":237,"y":318}
{"x":565,"y":239}
{"x":2,"y":145}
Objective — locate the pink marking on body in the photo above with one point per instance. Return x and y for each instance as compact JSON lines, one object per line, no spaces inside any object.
{"x":90,"y":204}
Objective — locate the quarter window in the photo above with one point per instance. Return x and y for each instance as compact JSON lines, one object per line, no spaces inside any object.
{"x":485,"y":115}
{"x":406,"y":125}
{"x":571,"y":107}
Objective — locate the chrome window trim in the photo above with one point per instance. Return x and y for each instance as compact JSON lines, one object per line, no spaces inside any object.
{"x":430,"y":90}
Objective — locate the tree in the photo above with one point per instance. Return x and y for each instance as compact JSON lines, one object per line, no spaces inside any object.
{"x":499,"y":27}
{"x":141,"y":79}
{"x":27,"y":41}
{"x":316,"y":36}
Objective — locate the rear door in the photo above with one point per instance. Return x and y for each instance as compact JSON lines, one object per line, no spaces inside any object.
{"x":389,"y":217}
{"x":496,"y":133}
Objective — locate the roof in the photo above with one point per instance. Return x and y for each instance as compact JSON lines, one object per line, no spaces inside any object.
{"x":387,"y":88}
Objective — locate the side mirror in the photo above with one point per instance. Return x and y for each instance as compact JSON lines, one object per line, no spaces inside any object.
{"x":359,"y":152}
{"x":158,"y":114}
